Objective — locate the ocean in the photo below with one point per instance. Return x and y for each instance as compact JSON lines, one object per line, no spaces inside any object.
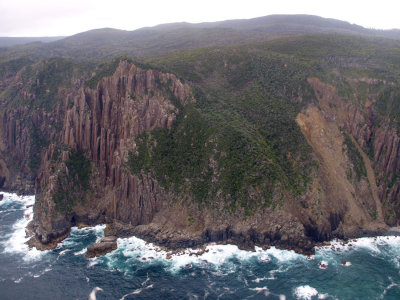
{"x":366,"y":268}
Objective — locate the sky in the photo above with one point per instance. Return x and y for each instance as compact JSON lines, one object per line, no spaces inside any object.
{"x":68,"y":17}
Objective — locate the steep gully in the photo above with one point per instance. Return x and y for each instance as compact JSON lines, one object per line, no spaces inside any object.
{"x":371,"y":180}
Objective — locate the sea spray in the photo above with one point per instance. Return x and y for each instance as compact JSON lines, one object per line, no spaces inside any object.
{"x":16,"y":242}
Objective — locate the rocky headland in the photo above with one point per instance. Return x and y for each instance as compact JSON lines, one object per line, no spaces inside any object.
{"x":84,"y":175}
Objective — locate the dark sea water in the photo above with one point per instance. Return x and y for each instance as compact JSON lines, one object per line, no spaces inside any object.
{"x":137,"y":271}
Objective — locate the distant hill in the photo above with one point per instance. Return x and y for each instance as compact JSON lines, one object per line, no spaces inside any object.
{"x":12,"y":41}
{"x":106,"y":43}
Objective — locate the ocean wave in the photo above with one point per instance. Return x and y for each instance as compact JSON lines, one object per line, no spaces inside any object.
{"x":389,"y":287}
{"x":78,"y":235}
{"x":305,"y":292}
{"x":83,"y":251}
{"x":11,"y":198}
{"x":382,"y":247}
{"x":372,"y":244}
{"x":136,"y":249}
{"x":63,"y":252}
{"x":259,"y":290}
{"x":48,"y":269}
{"x":16,"y":241}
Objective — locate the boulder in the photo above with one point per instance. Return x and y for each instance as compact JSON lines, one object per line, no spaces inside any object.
{"x":106,"y":244}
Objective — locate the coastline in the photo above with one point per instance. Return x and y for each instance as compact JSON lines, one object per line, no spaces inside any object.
{"x":181,"y":241}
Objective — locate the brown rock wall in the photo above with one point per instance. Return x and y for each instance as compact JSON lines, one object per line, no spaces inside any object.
{"x":105,"y":122}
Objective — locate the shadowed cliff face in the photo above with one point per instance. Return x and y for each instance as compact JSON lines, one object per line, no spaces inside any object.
{"x":23,"y":134}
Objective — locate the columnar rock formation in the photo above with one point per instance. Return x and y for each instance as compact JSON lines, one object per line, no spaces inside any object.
{"x":104,"y":123}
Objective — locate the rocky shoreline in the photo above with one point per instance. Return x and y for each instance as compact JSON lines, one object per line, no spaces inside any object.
{"x":106,"y":244}
{"x":181,"y":241}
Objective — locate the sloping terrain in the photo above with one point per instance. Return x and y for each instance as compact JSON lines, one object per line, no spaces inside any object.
{"x":284,"y":142}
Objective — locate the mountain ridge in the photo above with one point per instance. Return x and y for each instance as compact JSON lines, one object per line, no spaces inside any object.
{"x":220,"y":33}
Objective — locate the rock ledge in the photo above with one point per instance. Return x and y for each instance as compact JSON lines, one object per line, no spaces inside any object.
{"x":106,"y":244}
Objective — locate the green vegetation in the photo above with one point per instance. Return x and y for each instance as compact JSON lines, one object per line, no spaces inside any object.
{"x":41,"y":82}
{"x":355,"y":158}
{"x":72,"y":184}
{"x":389,"y":105}
{"x":104,"y":70}
{"x":248,"y":97}
{"x":14,"y":65}
{"x":240,"y":137}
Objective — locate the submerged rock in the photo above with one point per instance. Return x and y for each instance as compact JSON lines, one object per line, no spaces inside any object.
{"x":106,"y":244}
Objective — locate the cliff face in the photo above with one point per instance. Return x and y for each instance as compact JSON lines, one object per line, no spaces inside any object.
{"x":84,"y":144}
{"x":23,"y":134}
{"x":104,"y":123}
{"x":381,"y":142}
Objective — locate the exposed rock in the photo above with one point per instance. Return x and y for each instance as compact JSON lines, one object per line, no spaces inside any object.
{"x":383,"y":140}
{"x":106,"y":244}
{"x":104,"y":122}
{"x":1,"y":197}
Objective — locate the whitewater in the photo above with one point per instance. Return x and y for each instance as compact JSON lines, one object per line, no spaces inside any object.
{"x":365,"y":268}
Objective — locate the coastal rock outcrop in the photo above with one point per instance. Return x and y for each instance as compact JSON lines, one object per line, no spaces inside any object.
{"x":106,"y":244}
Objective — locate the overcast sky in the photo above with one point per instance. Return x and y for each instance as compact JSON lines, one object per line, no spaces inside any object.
{"x":67,"y":17}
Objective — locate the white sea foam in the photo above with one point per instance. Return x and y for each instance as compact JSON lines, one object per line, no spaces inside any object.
{"x":92,"y":295}
{"x":305,"y":292}
{"x":138,"y":291}
{"x":323,"y":264}
{"x":380,"y":246}
{"x":16,"y":242}
{"x":258,"y":280}
{"x":48,"y":269}
{"x":217,"y":255}
{"x":77,"y":234}
{"x":264,"y":259}
{"x":64,"y":251}
{"x":259,"y":289}
{"x":10,"y":198}
{"x":18,"y":280}
{"x":92,"y":262}
{"x":372,"y":244}
{"x":263,"y":290}
{"x":98,"y":230}
{"x":83,"y":251}
{"x":282,"y":255}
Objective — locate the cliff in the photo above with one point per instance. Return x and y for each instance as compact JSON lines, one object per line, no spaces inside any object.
{"x":240,"y":146}
{"x":103,"y":124}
